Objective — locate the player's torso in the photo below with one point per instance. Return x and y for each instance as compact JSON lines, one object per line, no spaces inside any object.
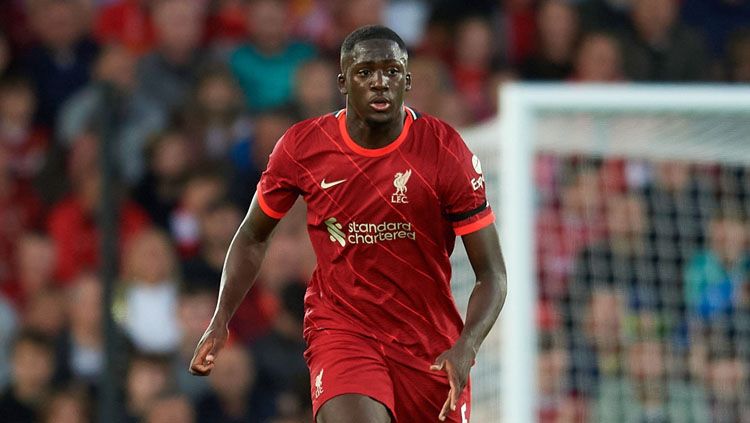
{"x":382,"y":245}
{"x":365,"y":198}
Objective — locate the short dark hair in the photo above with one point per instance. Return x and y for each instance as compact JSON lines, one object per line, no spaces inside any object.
{"x":370,"y":32}
{"x":35,"y":338}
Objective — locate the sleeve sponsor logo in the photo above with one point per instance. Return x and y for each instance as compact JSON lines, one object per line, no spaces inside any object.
{"x":478,"y":182}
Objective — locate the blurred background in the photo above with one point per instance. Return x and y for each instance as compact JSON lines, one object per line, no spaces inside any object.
{"x":643,"y":266}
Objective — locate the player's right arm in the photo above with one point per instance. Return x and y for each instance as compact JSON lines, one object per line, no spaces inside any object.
{"x":275,"y":195}
{"x":241,"y":267}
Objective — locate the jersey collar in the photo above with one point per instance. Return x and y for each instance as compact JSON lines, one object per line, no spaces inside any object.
{"x":374,"y":152}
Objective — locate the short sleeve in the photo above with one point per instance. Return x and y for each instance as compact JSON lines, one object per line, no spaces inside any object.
{"x":278,"y":188}
{"x":461,"y":186}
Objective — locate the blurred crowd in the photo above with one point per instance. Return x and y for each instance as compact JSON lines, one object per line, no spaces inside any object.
{"x":644,"y":272}
{"x":193,"y":95}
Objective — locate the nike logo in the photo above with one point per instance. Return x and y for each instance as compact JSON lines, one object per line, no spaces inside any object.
{"x":326,"y":185}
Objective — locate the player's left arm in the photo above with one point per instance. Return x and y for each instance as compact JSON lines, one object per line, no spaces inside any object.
{"x":485,"y":303}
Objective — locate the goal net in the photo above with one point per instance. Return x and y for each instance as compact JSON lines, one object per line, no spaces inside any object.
{"x":623,"y":216}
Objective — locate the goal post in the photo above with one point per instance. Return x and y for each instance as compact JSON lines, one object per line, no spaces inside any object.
{"x":691,"y":123}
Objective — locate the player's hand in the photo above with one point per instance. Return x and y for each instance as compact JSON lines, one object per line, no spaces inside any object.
{"x":208,"y":348}
{"x":456,"y":362}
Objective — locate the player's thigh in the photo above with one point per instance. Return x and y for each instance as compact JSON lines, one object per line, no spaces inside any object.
{"x":353,"y":408}
{"x":420,"y":394}
{"x":344,"y":365}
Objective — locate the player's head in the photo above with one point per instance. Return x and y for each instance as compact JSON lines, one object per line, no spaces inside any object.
{"x":373,"y":73}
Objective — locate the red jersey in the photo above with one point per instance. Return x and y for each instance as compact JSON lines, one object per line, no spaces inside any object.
{"x":383,"y":223}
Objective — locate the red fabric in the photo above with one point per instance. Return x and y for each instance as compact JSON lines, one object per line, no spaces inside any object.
{"x":76,"y":236}
{"x":382,"y":251}
{"x":20,"y":211}
{"x":521,"y":34}
{"x":343,"y":362}
{"x":128,"y":23}
{"x":471,"y":84}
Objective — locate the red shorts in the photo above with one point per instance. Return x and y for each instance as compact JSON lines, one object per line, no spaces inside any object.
{"x":346,"y":363}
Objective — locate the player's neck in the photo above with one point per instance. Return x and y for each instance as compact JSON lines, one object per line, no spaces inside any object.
{"x":373,"y":135}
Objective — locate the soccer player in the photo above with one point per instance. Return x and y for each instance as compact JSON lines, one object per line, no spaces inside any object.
{"x":387,"y":190}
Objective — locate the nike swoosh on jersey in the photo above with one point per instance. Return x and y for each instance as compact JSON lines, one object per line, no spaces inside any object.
{"x":326,"y":185}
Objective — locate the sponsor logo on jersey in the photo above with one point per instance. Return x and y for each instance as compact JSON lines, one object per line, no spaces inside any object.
{"x":368,"y":233}
{"x":326,"y":185}
{"x":319,"y":384}
{"x":334,"y":229}
{"x":399,"y":182}
{"x":477,"y":182}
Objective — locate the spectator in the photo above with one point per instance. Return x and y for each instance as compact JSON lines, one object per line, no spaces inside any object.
{"x":149,"y":277}
{"x":171,"y":409}
{"x":70,"y":405}
{"x":167,"y":74}
{"x":279,"y":354}
{"x":738,"y":60}
{"x":59,"y":64}
{"x":234,"y":397}
{"x":128,"y":23}
{"x":194,"y":311}
{"x":357,"y":13}
{"x":557,"y":37}
{"x":679,"y":204}
{"x":269,"y":127}
{"x":717,"y":277}
{"x":569,"y":222}
{"x":25,"y":143}
{"x":215,"y":115}
{"x":556,"y":404}
{"x":727,"y":380}
{"x":265,"y":67}
{"x":73,"y":229}
{"x":659,"y":48}
{"x":35,"y":265}
{"x":218,"y":223}
{"x":615,"y":273}
{"x":227,"y":24}
{"x":169,"y":157}
{"x":471,"y":67}
{"x":147,"y":379}
{"x":315,"y":91}
{"x":20,"y":210}
{"x":45,"y":313}
{"x":202,"y":188}
{"x":66,"y":167}
{"x":598,"y":59}
{"x":33,"y":362}
{"x":137,"y":116}
{"x":452,"y":108}
{"x":432,"y":79}
{"x":81,"y":353}
{"x":641,"y":395}
{"x":515,"y":23}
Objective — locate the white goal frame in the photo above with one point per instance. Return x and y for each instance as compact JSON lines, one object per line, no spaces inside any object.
{"x":516,"y":131}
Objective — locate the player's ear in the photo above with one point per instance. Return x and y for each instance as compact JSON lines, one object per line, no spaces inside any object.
{"x":341,"y":83}
{"x":408,"y":81}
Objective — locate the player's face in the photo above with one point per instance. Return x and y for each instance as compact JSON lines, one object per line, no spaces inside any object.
{"x":374,"y":79}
